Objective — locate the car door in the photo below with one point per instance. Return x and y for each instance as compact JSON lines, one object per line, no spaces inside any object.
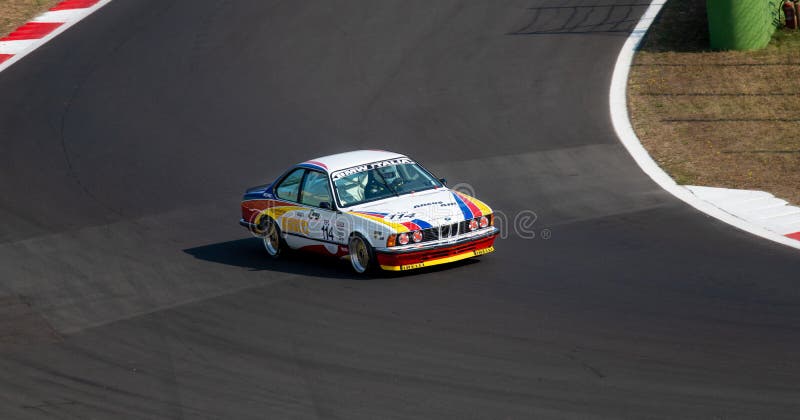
{"x":291,"y":218}
{"x":315,"y":194}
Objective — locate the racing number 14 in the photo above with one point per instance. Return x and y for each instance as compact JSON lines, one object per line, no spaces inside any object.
{"x":327,"y":232}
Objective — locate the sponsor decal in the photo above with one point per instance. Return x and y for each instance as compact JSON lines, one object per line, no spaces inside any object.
{"x":378,"y":235}
{"x":363,"y":168}
{"x":412,"y":266}
{"x":484,"y":251}
{"x":432,"y":203}
{"x":292,"y":225}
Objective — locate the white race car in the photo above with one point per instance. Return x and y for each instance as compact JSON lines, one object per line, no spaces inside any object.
{"x":376,"y":208}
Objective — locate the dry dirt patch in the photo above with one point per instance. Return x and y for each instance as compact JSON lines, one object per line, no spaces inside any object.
{"x":14,"y":13}
{"x":723,"y":119}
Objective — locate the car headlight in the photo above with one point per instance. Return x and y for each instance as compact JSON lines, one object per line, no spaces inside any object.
{"x":484,"y":221}
{"x":417,"y":236}
{"x":473,"y":224}
{"x":402,"y":239}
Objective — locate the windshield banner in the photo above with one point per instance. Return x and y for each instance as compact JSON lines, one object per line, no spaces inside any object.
{"x":374,"y":165}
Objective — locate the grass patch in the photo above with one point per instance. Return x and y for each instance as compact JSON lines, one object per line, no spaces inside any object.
{"x":14,"y":13}
{"x":718,"y":118}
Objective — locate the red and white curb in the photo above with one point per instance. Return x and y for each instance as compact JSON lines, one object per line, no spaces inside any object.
{"x":768,"y":222}
{"x":43,"y":28}
{"x":757,"y":207}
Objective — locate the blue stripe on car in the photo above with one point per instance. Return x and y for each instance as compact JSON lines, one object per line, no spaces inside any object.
{"x":463,"y":206}
{"x":422,"y":224}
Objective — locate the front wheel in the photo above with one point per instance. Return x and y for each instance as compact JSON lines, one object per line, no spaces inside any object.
{"x":361,"y":255}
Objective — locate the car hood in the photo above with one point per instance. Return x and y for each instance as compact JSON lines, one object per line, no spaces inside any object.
{"x":425,"y":209}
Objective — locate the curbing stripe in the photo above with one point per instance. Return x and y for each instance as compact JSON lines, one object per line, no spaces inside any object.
{"x":74,"y":4}
{"x":622,"y":125}
{"x":32,"y":35}
{"x":766,"y":211}
{"x":32,"y":30}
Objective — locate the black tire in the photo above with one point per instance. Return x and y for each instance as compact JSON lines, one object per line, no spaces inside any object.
{"x":362,"y":256}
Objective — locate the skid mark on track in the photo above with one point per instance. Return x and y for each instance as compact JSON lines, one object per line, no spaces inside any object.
{"x":587,"y":367}
{"x":580,"y":19}
{"x":21,"y":326}
{"x":91,"y":68}
{"x":207,"y":40}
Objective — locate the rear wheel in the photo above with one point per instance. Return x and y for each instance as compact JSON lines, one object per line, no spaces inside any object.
{"x":362,"y":256}
{"x":273,"y":242}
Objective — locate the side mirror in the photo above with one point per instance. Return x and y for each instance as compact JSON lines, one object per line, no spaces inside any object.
{"x":325,"y":205}
{"x":443,"y":181}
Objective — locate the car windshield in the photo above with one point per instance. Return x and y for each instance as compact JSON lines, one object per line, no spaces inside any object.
{"x":379,"y":180}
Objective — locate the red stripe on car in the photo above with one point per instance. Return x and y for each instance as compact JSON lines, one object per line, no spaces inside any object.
{"x":320,"y":164}
{"x":411,"y":225}
{"x":476,"y":212}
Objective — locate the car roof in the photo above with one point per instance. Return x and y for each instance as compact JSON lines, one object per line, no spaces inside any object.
{"x":332,"y":163}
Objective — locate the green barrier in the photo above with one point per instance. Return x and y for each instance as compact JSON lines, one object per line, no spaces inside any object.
{"x":741,"y":24}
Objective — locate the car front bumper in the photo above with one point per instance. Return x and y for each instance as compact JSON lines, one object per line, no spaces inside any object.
{"x":439,"y":252}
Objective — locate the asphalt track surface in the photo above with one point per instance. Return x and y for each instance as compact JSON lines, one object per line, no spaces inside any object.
{"x":129,"y":290}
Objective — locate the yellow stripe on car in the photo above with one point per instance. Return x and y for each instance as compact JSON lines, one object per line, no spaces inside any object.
{"x":396,"y":226}
{"x":485,"y":210}
{"x":445,"y":260}
{"x":276,"y":212}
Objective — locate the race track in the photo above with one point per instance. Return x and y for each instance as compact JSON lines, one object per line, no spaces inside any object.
{"x":128,"y":290}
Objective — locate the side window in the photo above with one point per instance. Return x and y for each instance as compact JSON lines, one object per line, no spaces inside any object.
{"x":288,"y":188}
{"x":316,"y":189}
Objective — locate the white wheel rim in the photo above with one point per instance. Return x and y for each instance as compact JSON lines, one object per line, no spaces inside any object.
{"x":359,"y":255}
{"x":271,"y":239}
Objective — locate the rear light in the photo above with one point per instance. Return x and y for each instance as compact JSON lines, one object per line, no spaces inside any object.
{"x":473,"y":224}
{"x":484,"y":221}
{"x":392,"y":240}
{"x":417,"y":236}
{"x":402,"y":239}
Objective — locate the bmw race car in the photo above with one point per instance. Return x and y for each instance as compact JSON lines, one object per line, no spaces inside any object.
{"x":376,"y":208}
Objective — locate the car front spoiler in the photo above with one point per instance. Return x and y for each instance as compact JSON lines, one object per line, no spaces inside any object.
{"x":439,"y":252}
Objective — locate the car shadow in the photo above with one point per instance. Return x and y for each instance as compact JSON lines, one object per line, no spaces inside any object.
{"x":249,"y":253}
